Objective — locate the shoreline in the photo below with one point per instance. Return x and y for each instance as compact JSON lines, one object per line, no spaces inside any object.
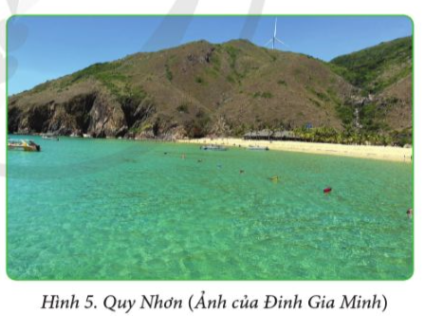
{"x":396,"y":154}
{"x":384,"y":153}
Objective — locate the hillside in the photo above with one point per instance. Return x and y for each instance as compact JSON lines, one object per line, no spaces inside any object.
{"x":378,"y":67}
{"x":384,"y":73}
{"x":194,"y":90}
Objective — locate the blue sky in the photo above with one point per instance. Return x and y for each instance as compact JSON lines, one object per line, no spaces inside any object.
{"x":45,"y":48}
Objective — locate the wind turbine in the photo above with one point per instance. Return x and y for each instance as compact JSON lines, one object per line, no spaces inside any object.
{"x":274,"y":37}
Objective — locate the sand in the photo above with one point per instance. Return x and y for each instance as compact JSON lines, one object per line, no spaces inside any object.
{"x":359,"y":151}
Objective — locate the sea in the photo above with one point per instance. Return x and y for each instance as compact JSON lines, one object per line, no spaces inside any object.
{"x":104,"y":209}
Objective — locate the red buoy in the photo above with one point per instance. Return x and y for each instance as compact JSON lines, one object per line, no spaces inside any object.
{"x":327,"y":190}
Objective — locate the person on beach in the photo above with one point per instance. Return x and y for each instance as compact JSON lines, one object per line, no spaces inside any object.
{"x":409,"y":213}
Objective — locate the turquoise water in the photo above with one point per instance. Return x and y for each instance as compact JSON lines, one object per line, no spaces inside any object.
{"x":111,"y":209}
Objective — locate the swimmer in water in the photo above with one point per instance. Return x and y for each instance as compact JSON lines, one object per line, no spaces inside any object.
{"x":274,"y":179}
{"x":241,"y":171}
{"x":409,"y":213}
{"x":183,"y":156}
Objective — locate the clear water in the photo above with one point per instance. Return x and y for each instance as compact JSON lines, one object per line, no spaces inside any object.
{"x":111,"y":209}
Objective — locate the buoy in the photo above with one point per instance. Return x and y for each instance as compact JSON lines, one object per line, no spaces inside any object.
{"x":327,"y":190}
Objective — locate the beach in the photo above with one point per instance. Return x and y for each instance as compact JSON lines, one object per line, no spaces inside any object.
{"x":357,"y":151}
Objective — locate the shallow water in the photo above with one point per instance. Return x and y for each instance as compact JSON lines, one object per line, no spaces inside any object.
{"x":110,"y":209}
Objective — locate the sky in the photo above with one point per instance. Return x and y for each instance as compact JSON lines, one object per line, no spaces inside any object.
{"x":42,"y":48}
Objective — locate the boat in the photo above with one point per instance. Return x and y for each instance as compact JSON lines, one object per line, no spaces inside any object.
{"x":22,"y":144}
{"x":50,"y":137}
{"x":264,"y":148}
{"x":213,"y":147}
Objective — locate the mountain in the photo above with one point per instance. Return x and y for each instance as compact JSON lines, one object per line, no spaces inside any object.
{"x":200,"y":89}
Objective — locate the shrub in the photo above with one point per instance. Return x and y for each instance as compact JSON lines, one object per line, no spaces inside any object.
{"x":263,"y":95}
{"x":169,"y":74}
{"x":183,"y":108}
{"x":200,"y":80}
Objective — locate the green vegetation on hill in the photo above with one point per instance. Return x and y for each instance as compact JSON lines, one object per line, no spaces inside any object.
{"x":377,"y":67}
{"x":351,"y":136}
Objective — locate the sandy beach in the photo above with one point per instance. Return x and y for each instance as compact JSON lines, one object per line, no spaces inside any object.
{"x":358,"y":151}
